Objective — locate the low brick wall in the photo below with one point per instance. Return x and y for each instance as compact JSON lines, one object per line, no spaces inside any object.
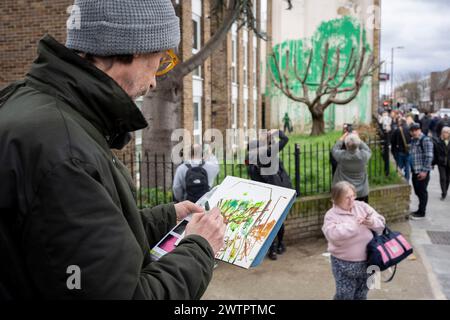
{"x":306,"y":217}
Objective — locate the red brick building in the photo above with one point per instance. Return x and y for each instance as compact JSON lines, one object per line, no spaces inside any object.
{"x":223,"y":93}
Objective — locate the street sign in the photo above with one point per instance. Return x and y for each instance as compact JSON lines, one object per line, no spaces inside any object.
{"x":384,"y":76}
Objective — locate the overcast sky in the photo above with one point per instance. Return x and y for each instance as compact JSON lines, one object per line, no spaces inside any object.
{"x":423,"y":28}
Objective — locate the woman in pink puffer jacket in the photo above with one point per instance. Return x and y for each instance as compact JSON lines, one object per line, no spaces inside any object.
{"x":348,"y":228}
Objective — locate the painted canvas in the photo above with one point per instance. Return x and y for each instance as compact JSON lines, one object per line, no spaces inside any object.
{"x":253,"y":212}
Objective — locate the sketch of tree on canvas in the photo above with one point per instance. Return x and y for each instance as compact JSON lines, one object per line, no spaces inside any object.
{"x":251,"y":211}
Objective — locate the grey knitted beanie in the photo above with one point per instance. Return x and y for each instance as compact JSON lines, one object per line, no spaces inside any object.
{"x":113,"y":27}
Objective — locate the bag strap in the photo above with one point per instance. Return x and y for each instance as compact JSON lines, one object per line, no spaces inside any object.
{"x":392,"y":276}
{"x":421,"y":143}
{"x":405,"y":145}
{"x":190,"y":166}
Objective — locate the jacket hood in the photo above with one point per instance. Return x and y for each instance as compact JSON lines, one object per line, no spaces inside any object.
{"x":97,"y":97}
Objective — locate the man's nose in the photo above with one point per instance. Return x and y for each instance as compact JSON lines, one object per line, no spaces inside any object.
{"x":152,"y":85}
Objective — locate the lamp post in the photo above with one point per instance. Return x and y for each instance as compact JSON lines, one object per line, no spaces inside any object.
{"x":392,"y":74}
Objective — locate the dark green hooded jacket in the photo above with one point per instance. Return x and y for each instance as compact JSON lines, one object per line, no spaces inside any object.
{"x":66,"y":200}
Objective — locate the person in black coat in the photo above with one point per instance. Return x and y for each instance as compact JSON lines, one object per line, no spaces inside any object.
{"x":425,"y":123}
{"x":444,"y":122}
{"x":433,"y":125}
{"x":442,"y":159}
{"x":400,"y":142}
{"x":280,"y":178}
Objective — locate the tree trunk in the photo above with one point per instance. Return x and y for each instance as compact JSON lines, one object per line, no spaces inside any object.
{"x":318,"y":127}
{"x":162,"y":110}
{"x":162,"y":107}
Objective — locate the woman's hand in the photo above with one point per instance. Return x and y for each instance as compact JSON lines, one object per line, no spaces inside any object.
{"x":367,"y":221}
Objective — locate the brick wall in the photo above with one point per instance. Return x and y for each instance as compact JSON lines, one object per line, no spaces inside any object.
{"x":221,"y":84}
{"x":221,"y":106}
{"x":306,"y":217}
{"x":187,"y":118}
{"x":187,"y":114}
{"x":267,"y":103}
{"x":22,"y":24}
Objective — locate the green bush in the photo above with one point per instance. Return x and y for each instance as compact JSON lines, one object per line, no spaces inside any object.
{"x":150,"y":197}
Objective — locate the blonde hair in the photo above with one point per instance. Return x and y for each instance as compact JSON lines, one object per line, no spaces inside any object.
{"x":339,"y":189}
{"x":445,"y":130}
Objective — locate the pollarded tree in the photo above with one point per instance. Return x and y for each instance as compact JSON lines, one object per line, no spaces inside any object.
{"x":325,"y":74}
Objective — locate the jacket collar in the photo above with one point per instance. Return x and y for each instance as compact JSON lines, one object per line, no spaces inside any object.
{"x":339,"y":210}
{"x":88,"y":90}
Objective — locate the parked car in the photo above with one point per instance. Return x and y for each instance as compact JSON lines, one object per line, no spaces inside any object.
{"x":444,"y":112}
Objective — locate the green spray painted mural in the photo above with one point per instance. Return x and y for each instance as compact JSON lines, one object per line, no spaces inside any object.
{"x":326,"y":70}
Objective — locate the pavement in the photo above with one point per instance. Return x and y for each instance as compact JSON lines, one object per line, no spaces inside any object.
{"x":436,"y":257}
{"x":304,"y":271}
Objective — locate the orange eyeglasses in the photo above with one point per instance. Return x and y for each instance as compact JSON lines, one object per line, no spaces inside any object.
{"x":168,"y":62}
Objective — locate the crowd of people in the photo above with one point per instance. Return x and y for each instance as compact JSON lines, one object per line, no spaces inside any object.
{"x":418,"y":143}
{"x":349,"y":225}
{"x":71,"y":202}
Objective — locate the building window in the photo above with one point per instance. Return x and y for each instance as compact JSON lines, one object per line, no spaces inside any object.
{"x":234,"y":124}
{"x":138,"y":134}
{"x":234,"y":54}
{"x":138,"y":145}
{"x":255,"y":61}
{"x":197,"y":105}
{"x":245,"y":67}
{"x":263,"y":17}
{"x":245,"y":114}
{"x":245,"y":58}
{"x":255,"y":116}
{"x":195,"y":35}
{"x":197,"y":82}
{"x":255,"y":82}
{"x":196,"y":41}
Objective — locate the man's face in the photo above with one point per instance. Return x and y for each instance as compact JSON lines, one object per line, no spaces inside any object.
{"x":138,"y":77}
{"x":416,"y":133}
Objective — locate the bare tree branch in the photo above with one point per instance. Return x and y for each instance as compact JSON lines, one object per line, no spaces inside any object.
{"x":324,"y":68}
{"x":232,"y":13}
{"x":283,"y":83}
{"x":358,"y":68}
{"x":237,"y":10}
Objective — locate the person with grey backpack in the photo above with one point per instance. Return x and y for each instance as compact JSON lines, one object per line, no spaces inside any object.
{"x":195,"y":176}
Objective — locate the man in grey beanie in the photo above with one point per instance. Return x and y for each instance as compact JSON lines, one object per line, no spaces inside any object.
{"x":69,"y":225}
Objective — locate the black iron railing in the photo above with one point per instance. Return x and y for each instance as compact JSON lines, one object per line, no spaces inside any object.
{"x":309,"y":167}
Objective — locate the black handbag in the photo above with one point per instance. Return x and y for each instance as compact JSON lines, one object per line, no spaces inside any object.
{"x":387,"y":250}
